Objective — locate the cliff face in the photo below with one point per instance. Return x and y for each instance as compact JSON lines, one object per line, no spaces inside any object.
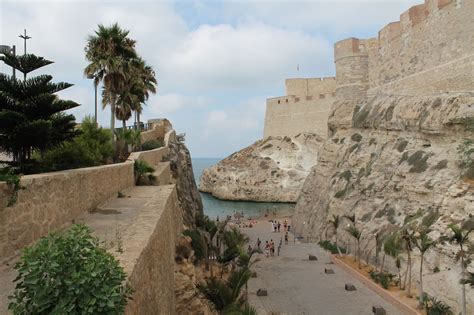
{"x":389,"y":159}
{"x":273,"y":170}
{"x":182,"y":169}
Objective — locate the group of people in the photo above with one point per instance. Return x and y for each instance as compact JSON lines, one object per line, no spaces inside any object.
{"x":276,"y":226}
{"x":269,"y":247}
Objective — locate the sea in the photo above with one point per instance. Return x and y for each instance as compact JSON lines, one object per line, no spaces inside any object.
{"x":214,"y":207}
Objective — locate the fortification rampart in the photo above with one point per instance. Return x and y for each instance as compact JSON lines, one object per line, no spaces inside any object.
{"x":304,"y":109}
{"x":430,"y":50}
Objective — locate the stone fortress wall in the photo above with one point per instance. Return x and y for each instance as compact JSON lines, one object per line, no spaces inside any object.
{"x":429,"y":51}
{"x":304,"y":109}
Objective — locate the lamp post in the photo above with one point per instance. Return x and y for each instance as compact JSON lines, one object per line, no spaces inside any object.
{"x":93,"y":77}
{"x":5,"y":49}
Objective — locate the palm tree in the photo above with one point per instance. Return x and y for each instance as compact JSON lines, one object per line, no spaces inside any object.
{"x":356,"y":234}
{"x":392,"y":246}
{"x":423,"y":242}
{"x":335,"y":221}
{"x":461,"y":237}
{"x":407,"y":236}
{"x":109,"y":52}
{"x":146,"y":84}
{"x":352,"y":219}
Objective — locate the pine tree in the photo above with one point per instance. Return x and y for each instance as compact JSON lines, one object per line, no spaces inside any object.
{"x":32,"y":116}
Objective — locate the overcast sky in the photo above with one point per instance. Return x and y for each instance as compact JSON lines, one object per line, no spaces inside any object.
{"x":216,"y":61}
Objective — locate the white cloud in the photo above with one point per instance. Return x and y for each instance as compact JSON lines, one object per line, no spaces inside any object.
{"x":246,"y":56}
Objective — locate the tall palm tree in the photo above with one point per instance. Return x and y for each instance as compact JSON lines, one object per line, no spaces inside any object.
{"x":461,"y":237}
{"x":109,"y":52}
{"x":146,"y":85}
{"x":335,"y":222}
{"x":356,"y":234}
{"x":423,"y":242}
{"x":392,"y":246}
{"x":407,"y":235}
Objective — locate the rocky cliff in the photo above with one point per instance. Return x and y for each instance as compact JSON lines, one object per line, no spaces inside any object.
{"x":272,"y":170}
{"x":391,"y":159}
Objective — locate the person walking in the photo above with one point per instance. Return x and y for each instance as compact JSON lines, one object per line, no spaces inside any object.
{"x":279,"y":224}
{"x":286,"y":238}
{"x":259,"y":242}
{"x":267,"y":249}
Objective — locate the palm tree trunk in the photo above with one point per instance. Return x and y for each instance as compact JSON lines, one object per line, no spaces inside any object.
{"x":112,"y":119}
{"x":463,"y":301}
{"x":420,"y":306}
{"x":383,"y":262}
{"x":409,"y":275}
{"x":124,"y":124}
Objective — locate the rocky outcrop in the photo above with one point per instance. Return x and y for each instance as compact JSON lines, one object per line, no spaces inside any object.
{"x":272,"y":170}
{"x":389,"y":160}
{"x":189,"y":301}
{"x":182,"y":170}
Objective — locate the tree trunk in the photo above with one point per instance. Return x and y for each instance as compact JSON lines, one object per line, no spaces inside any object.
{"x":420,"y":306}
{"x":358,"y":252}
{"x":124,"y":124}
{"x":463,"y":301}
{"x":409,"y":275}
{"x":112,"y":120}
{"x":383,"y":262}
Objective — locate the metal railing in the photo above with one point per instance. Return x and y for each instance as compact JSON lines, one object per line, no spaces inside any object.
{"x":142,"y":127}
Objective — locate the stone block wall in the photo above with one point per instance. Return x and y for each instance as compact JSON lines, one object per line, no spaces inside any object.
{"x":305,"y":109}
{"x":52,"y":201}
{"x":429,"y":51}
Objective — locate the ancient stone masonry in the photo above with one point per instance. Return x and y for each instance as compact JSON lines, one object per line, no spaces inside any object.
{"x":404,"y":103}
{"x":304,"y":109}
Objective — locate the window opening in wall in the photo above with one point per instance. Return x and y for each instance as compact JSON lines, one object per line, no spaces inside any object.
{"x":278,"y":101}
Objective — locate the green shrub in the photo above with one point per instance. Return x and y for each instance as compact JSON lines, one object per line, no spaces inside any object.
{"x":466,"y":151}
{"x":340,"y":193}
{"x":441,"y":165}
{"x":401,"y":145}
{"x":8,"y":175}
{"x":91,"y":147}
{"x":69,"y":273}
{"x":383,"y":278}
{"x":143,"y":173}
{"x":434,"y":306}
{"x":418,"y":162}
{"x":347,"y":175}
{"x":331,"y":247}
{"x":357,"y":137}
{"x":355,"y":146}
{"x":152,"y":144}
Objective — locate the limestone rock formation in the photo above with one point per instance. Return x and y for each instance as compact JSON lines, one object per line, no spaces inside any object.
{"x":390,"y":160}
{"x":272,"y":170}
{"x":188,"y":195}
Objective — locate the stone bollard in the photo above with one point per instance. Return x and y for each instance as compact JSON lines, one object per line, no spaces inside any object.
{"x":378,"y":310}
{"x":262,"y":292}
{"x":312,"y":257}
{"x":350,"y":287}
{"x":254,"y":274}
{"x":328,"y":271}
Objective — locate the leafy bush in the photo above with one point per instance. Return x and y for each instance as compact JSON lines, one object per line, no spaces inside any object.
{"x":466,"y":151}
{"x":383,"y":278}
{"x":91,"y":147}
{"x":198,"y":243}
{"x":357,"y":137}
{"x":12,"y":179}
{"x":127,"y":139}
{"x":418,"y":162}
{"x":68,"y":273}
{"x":143,"y":173}
{"x":152,"y":144}
{"x":331,"y":247}
{"x":434,"y":306}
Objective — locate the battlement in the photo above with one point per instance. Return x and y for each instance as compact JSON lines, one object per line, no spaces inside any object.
{"x":427,"y":36}
{"x":310,"y":86}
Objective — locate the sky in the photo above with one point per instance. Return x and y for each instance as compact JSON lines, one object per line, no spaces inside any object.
{"x":216,"y":61}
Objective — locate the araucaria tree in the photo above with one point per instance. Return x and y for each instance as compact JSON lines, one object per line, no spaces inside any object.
{"x":32,"y":116}
{"x":460,"y":236}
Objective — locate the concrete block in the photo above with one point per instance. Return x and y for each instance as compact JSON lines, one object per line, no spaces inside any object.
{"x":312,"y":257}
{"x":378,"y":310}
{"x":262,"y":292}
{"x":328,"y":271}
{"x":350,"y":287}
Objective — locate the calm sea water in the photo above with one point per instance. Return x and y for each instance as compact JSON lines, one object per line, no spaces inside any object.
{"x":214,"y":207}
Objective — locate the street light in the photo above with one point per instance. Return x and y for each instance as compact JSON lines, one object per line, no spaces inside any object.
{"x":93,"y":77}
{"x":5,"y":49}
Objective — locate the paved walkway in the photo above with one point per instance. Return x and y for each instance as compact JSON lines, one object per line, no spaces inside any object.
{"x":298,"y":286}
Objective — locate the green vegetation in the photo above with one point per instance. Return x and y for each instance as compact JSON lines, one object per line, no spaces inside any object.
{"x":356,"y":234}
{"x":354,"y":147}
{"x":347,"y":175}
{"x":340,"y":193}
{"x":127,"y":79}
{"x":8,"y":175}
{"x":143,"y":173}
{"x":401,"y":145}
{"x":466,"y":151}
{"x":441,"y":165}
{"x":360,"y":116}
{"x":152,"y":144}
{"x":418,"y":162}
{"x":331,"y":247}
{"x":32,"y":117}
{"x":69,"y":273}
{"x":91,"y":147}
{"x":383,"y":278}
{"x":357,"y":137}
{"x":434,"y":306}
{"x":466,"y":122}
